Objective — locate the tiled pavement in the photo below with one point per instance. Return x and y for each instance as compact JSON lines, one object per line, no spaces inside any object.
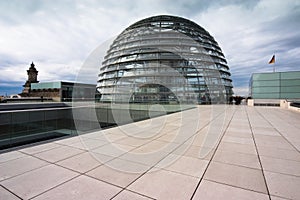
{"x":233,"y":152}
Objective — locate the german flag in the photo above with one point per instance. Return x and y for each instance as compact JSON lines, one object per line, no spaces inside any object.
{"x":272,"y":61}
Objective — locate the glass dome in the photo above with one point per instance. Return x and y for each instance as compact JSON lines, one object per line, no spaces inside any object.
{"x":164,"y":59}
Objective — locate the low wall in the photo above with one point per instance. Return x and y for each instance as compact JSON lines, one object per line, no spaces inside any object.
{"x":250,"y":102}
{"x":288,"y":105}
{"x":27,"y":123}
{"x":26,"y":106}
{"x":264,"y":102}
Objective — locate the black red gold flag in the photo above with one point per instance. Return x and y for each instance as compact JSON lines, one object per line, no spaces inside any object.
{"x":272,"y":61}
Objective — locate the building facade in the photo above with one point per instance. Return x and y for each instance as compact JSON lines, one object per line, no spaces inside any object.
{"x":164,"y":59}
{"x":57,"y":90}
{"x":32,"y":74}
{"x":64,"y":91}
{"x":276,"y":85}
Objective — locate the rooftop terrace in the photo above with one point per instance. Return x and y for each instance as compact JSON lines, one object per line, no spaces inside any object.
{"x":211,"y":152}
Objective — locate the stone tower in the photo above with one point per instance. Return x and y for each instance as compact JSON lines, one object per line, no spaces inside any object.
{"x":32,"y":78}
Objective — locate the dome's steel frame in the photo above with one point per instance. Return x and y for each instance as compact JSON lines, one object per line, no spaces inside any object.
{"x":165,"y":59}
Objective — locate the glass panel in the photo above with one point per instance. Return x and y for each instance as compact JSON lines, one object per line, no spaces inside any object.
{"x":290,"y":82}
{"x":27,"y":126}
{"x":266,"y":76}
{"x":265,"y":83}
{"x":265,"y":96}
{"x":265,"y":89}
{"x":49,"y":85}
{"x":290,"y":75}
{"x":293,"y":95}
{"x":290,"y":89}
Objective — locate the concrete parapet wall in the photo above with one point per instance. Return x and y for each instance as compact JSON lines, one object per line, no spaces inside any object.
{"x":284,"y":104}
{"x":287,"y":105}
{"x":250,"y":102}
{"x":28,"y":106}
{"x":294,"y":108}
{"x":263,"y":102}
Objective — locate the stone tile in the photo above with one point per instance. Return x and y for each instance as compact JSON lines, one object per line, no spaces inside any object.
{"x":280,"y":145}
{"x":113,"y":149}
{"x":58,"y":154}
{"x":269,"y":141}
{"x":156,"y":146}
{"x":194,"y":151}
{"x":98,"y":135}
{"x":236,"y":158}
{"x":264,"y":131}
{"x":112,"y":137}
{"x":297,"y":145}
{"x":169,"y":138}
{"x":162,"y":184}
{"x":40,"y":148}
{"x":102,"y":158}
{"x":281,"y":166}
{"x":88,"y":144}
{"x":173,"y":125}
{"x":18,"y":166}
{"x":167,"y":128}
{"x":125,"y":194}
{"x":206,"y":139}
{"x":233,"y":173}
{"x":183,"y":164}
{"x":239,"y":134}
{"x":217,"y":191}
{"x":154,"y":129}
{"x":127,"y":166}
{"x":84,"y":162}
{"x":238,"y":140}
{"x":119,"y":130}
{"x":277,"y":198}
{"x":240,"y":124}
{"x":68,"y":141}
{"x":234,"y":147}
{"x":133,"y":141}
{"x":37,"y":181}
{"x":275,"y":152}
{"x":118,"y":172}
{"x":11,"y":156}
{"x":6,"y":195}
{"x":251,"y":179}
{"x":236,"y":130}
{"x":269,"y":138}
{"x":292,"y":138}
{"x":81,"y":188}
{"x":148,"y":135}
{"x":281,"y":185}
{"x":148,"y":159}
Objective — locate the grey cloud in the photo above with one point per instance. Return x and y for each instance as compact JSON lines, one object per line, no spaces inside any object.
{"x":250,"y":46}
{"x":17,"y":12}
{"x":63,"y":33}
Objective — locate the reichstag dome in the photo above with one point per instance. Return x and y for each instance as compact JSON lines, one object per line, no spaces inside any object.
{"x":164,"y":59}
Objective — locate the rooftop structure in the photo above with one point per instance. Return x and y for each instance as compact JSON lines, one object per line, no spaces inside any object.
{"x":64,"y":90}
{"x":275,"y":85}
{"x":165,"y":59}
{"x":254,"y":156}
{"x":55,"y":91}
{"x":32,"y":74}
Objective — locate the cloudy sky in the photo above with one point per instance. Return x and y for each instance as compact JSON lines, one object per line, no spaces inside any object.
{"x":59,"y":35}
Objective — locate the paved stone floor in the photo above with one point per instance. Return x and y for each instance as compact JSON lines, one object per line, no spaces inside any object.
{"x":212,"y":152}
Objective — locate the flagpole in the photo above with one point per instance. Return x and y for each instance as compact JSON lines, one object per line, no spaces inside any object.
{"x":272,"y":61}
{"x":274,"y":64}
